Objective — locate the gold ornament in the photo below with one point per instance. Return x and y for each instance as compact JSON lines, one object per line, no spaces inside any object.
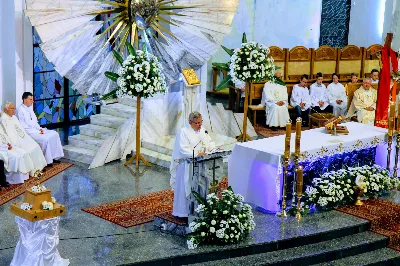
{"x":190,"y":76}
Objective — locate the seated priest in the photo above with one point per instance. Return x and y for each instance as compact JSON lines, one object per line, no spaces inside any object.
{"x":354,"y":79}
{"x":48,"y":140}
{"x":319,"y":96}
{"x":301,"y":100}
{"x":18,"y":138}
{"x":16,"y":161}
{"x":375,"y":76}
{"x":337,"y":96}
{"x":275,"y":100}
{"x":364,"y":103}
{"x":192,"y":138}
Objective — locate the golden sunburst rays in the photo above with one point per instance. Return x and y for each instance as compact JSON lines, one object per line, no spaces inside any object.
{"x":129,"y":17}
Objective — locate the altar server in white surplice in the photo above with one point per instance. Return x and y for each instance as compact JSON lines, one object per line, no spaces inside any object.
{"x":337,"y":96}
{"x":275,"y":100}
{"x":364,"y":103}
{"x":48,"y":140}
{"x":17,"y":162}
{"x":319,"y":96}
{"x":19,"y":138}
{"x":301,"y":100}
{"x":181,"y":173}
{"x":374,"y":76}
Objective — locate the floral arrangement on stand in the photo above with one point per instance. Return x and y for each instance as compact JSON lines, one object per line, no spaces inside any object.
{"x":140,"y":75}
{"x":251,"y":63}
{"x":337,"y":188}
{"x":222,"y":220}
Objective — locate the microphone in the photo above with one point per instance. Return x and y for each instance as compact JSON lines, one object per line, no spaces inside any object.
{"x":197,"y":145}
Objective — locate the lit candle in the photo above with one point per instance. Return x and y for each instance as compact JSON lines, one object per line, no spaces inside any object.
{"x":299,"y":180}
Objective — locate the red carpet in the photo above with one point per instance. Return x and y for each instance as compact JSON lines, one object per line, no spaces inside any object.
{"x":139,"y":210}
{"x":13,"y":191}
{"x":384,"y":216}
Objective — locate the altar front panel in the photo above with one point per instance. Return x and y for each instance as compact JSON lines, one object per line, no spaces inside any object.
{"x":255,"y":168}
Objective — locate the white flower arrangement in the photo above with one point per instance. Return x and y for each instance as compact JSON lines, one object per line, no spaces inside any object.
{"x":337,"y":188}
{"x":251,"y":63}
{"x":26,"y":206}
{"x":222,"y":220}
{"x":47,"y":205}
{"x":38,"y":188}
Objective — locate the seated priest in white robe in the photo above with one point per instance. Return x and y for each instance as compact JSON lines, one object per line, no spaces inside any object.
{"x":364,"y":103}
{"x":181,"y":172}
{"x":337,"y":96}
{"x":319,"y":96}
{"x":17,"y":162}
{"x":275,"y":100}
{"x":301,"y":100}
{"x":374,"y":76}
{"x":20,"y":139}
{"x":48,"y":140}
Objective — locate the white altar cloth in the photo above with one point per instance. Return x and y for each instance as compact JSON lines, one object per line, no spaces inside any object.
{"x":255,"y":167}
{"x":37,"y":244}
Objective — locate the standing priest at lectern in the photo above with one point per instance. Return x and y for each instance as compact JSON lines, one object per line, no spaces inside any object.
{"x":48,"y":140}
{"x":192,"y":138}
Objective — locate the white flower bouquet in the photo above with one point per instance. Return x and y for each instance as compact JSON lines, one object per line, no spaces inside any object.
{"x":38,"y":188}
{"x":26,"y":206}
{"x":47,"y":205}
{"x":140,"y":75}
{"x":222,"y":220}
{"x":251,"y":63}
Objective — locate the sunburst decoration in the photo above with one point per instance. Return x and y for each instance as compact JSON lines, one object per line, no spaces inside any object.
{"x":77,"y":35}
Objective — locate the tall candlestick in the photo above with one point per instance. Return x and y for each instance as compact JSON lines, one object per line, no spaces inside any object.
{"x":287,"y":138}
{"x":299,"y":190}
{"x":289,"y":128}
{"x":298,"y":136}
{"x":394,"y":92}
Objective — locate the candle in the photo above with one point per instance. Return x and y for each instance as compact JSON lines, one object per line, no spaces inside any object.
{"x":392,"y":109}
{"x":394,"y":92}
{"x":299,"y":180}
{"x":288,"y":128}
{"x":392,"y":114}
{"x":298,"y":126}
{"x":287,"y":148}
{"x":298,"y":136}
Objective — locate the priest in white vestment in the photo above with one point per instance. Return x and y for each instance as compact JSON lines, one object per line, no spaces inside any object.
{"x":374,"y":76}
{"x":364,"y":103}
{"x":301,"y":100}
{"x":319,"y":96}
{"x":20,"y":139}
{"x":337,"y":96}
{"x":17,"y":162}
{"x":181,"y":171}
{"x":48,"y":140}
{"x":275,"y":100}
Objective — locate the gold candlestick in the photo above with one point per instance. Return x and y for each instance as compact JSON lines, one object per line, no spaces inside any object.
{"x":299,"y":190}
{"x":296,"y":158}
{"x":396,"y":160}
{"x":392,"y":112}
{"x":286,"y":157}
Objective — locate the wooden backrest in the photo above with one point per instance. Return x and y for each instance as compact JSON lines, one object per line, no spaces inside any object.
{"x":352,"y":87}
{"x":371,"y":59}
{"x":350,"y":61}
{"x":279,"y":55}
{"x":324,"y":60}
{"x":299,"y":62}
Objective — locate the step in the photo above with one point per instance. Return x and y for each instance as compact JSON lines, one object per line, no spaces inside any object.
{"x":97,"y":131}
{"x":119,"y":110}
{"x":78,"y":154}
{"x":164,"y":145}
{"x":107,"y":120}
{"x":129,"y":102}
{"x":383,"y":256}
{"x":156,"y":157}
{"x":84,"y":141}
{"x":308,"y":254}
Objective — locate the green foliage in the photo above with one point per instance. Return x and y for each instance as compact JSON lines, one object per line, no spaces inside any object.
{"x":227,"y":50}
{"x":111,"y":95}
{"x":225,"y":83}
{"x":131,"y":50}
{"x":111,"y":75}
{"x":118,"y":57}
{"x":244,"y":38}
{"x":221,"y":66}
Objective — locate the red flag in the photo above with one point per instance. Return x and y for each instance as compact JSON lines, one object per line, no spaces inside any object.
{"x":382,"y":104}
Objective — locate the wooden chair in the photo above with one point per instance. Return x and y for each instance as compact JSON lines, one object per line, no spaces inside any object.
{"x":299,"y":63}
{"x":372,"y":60}
{"x":350,"y":61}
{"x":280,"y":59}
{"x":325,"y":61}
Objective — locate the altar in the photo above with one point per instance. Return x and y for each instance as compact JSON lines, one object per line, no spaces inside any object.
{"x":255,"y":168}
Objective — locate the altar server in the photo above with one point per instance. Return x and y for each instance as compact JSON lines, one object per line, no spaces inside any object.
{"x":275,"y":100}
{"x":337,"y":96}
{"x":319,"y":96}
{"x":364,"y":103}
{"x":375,"y":76}
{"x":181,"y":171}
{"x":19,"y":138}
{"x":48,"y":140}
{"x":16,"y":161}
{"x":301,"y":100}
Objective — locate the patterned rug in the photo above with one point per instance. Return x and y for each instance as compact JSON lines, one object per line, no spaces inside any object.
{"x":384,"y":216}
{"x":139,"y":210}
{"x":267,"y":132}
{"x":13,"y":191}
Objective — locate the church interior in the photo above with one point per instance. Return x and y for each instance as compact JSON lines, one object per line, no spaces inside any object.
{"x":204,"y":132}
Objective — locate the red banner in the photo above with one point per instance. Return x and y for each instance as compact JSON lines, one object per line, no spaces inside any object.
{"x":382,"y":104}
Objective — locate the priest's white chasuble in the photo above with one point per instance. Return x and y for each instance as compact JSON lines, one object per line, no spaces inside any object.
{"x":276,"y":115}
{"x":364,"y":98}
{"x":20,"y":139}
{"x":336,"y":91}
{"x":318,"y":93}
{"x":49,"y":141}
{"x":181,"y":170}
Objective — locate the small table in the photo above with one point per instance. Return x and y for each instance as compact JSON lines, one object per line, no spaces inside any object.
{"x":320,"y":119}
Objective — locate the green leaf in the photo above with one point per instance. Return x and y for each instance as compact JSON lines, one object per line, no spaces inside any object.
{"x":131,"y":50}
{"x":221,"y":66}
{"x":227,"y":50}
{"x":111,"y":75}
{"x":278,"y":81}
{"x":244,"y":38}
{"x":111,"y":95}
{"x":199,"y":199}
{"x":118,"y":57}
{"x":224,"y":83}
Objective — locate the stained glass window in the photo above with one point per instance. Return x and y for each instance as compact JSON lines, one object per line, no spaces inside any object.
{"x":40,"y":61}
{"x":48,"y":85}
{"x":79,"y":108}
{"x":50,"y":111}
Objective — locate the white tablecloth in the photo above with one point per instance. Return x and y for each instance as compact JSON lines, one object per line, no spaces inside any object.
{"x":37,"y":244}
{"x":255,"y":168}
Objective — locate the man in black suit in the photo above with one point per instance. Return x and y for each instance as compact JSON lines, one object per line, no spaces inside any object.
{"x":3,"y":182}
